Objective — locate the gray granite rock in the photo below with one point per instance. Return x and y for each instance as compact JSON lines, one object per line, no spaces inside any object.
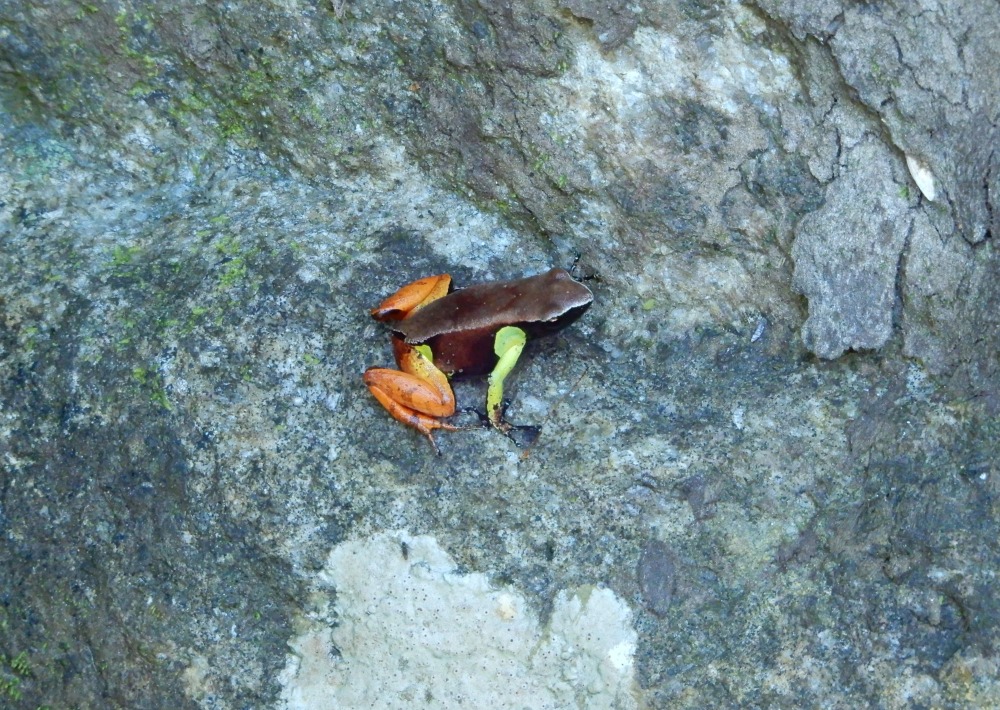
{"x":200,"y":204}
{"x":927,"y":75}
{"x":847,"y":254}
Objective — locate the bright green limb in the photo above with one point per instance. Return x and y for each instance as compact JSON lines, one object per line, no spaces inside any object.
{"x":425,"y":350}
{"x":508,"y":345}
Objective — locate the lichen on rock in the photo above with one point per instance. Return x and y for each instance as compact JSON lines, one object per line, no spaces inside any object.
{"x":409,"y":628}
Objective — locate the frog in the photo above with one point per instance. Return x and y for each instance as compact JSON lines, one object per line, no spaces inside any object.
{"x":439,"y":333}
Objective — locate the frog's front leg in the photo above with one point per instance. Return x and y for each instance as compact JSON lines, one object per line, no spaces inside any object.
{"x":418,"y":394}
{"x":507,"y":345}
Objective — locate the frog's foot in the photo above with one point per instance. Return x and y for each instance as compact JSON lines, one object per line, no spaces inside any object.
{"x":494,"y":418}
{"x":426,"y":425}
{"x":484,"y":420}
{"x":460,"y":422}
{"x":521,"y":434}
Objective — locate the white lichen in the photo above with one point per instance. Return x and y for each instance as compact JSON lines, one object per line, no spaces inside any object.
{"x":410,"y":630}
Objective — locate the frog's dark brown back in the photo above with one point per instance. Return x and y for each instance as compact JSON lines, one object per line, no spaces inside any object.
{"x":539,"y":304}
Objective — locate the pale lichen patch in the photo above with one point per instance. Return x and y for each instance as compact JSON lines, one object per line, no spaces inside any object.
{"x":410,"y":629}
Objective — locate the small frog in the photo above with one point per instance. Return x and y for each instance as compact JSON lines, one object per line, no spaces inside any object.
{"x":472,"y":331}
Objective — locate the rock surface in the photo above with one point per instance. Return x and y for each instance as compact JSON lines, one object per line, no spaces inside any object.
{"x":453,"y":637}
{"x":773,"y":440}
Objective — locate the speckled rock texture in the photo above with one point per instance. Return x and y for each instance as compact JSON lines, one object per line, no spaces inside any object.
{"x":768,"y":465}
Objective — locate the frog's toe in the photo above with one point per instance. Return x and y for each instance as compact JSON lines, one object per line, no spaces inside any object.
{"x":523,"y":435}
